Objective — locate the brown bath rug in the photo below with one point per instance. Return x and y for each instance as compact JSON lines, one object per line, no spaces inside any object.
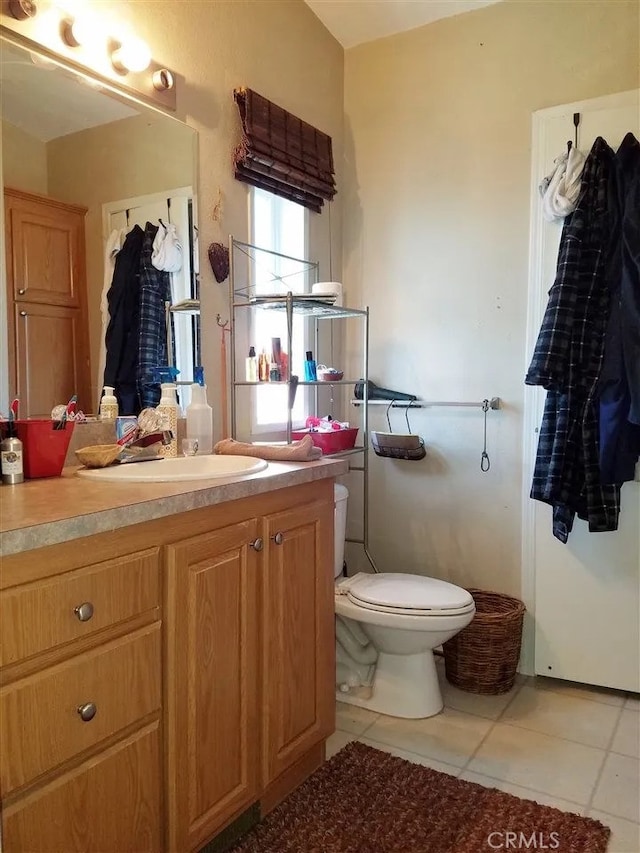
{"x":366,"y":801}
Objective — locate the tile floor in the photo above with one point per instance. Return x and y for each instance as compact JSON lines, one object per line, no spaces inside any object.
{"x":565,"y":745}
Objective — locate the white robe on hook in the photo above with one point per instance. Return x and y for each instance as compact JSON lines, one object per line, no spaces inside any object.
{"x":560,"y":189}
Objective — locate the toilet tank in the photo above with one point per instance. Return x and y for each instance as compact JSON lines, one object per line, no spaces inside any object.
{"x":340,"y":496}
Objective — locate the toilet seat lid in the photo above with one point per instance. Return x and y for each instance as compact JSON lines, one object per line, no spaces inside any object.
{"x":409,"y":592}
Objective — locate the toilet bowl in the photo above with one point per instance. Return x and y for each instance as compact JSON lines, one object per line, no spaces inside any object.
{"x":395,"y":621}
{"x":387,"y":626}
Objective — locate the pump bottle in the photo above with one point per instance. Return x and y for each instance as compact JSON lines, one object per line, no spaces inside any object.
{"x":108,"y":405}
{"x":200,"y":419}
{"x":168,"y":407}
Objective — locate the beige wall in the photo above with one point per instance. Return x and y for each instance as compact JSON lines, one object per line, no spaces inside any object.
{"x":280,"y":49}
{"x":24,"y":160}
{"x":133,"y":157}
{"x":437,"y":154}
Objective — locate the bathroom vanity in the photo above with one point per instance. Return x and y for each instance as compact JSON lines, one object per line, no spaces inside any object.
{"x":166,"y":655}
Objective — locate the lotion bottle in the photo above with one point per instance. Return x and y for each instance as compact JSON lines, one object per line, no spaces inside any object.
{"x":168,"y":407}
{"x":108,"y":405}
{"x":251,"y":366}
{"x":200,"y":419}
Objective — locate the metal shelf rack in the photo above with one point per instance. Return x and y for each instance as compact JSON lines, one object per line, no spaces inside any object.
{"x":244,"y":294}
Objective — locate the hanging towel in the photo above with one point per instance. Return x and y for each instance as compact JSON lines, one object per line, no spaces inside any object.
{"x":297,"y":451}
{"x":560,"y":189}
{"x":166,"y":255}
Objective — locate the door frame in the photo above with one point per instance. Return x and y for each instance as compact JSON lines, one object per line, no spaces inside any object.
{"x":536,"y":304}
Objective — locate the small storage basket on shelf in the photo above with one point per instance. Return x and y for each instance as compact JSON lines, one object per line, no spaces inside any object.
{"x":483,"y":658}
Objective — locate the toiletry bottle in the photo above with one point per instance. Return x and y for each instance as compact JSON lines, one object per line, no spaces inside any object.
{"x":108,"y":405}
{"x":11,"y":458}
{"x":310,"y":373}
{"x":276,"y":353}
{"x":274,"y":372}
{"x":200,"y":419}
{"x":263,"y":367}
{"x":168,"y":407}
{"x":251,"y":366}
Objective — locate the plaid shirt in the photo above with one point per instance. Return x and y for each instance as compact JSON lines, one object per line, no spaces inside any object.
{"x":155,"y":290}
{"x":567,"y":361}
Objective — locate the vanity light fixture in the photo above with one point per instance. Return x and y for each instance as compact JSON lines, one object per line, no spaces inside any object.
{"x":162,"y":80}
{"x":131,"y":55}
{"x":23,"y":9}
{"x":81,"y":32}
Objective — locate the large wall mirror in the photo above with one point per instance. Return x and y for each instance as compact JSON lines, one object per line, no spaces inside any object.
{"x":81,"y":168}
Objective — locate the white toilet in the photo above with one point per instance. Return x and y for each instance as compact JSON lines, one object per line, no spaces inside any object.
{"x":387,"y":626}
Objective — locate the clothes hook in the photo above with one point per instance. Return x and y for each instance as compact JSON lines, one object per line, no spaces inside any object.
{"x":389,"y":407}
{"x":126,"y":213}
{"x":576,"y":122}
{"x":406,"y":416}
{"x":162,"y":223}
{"x":220,"y":323}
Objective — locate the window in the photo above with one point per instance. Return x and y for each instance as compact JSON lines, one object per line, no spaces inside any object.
{"x":280,"y":226}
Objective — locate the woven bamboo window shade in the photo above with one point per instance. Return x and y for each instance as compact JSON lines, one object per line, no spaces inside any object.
{"x":283,"y":154}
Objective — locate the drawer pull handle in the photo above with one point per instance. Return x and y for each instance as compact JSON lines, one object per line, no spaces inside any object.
{"x":257,"y":544}
{"x":84,"y":611}
{"x":22,"y":291}
{"x":23,"y":313}
{"x":87,"y":711}
{"x":278,"y":538}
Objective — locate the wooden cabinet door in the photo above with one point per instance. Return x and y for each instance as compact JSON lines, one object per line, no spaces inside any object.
{"x":49,"y":367}
{"x":109,"y":804}
{"x":298,"y":661}
{"x":212,"y":682}
{"x":47,"y":249}
{"x":47,"y":303}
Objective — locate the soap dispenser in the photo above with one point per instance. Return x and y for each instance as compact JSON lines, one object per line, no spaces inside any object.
{"x":108,"y":405}
{"x":168,"y":407}
{"x":200,"y":419}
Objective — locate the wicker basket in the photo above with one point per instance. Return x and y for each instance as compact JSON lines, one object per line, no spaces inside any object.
{"x":484,"y":656}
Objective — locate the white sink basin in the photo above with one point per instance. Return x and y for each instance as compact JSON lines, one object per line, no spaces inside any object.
{"x":176,"y":470}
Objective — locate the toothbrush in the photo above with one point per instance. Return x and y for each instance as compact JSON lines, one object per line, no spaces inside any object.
{"x":71,"y":406}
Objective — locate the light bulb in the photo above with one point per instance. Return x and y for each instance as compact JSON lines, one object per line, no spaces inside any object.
{"x":82,"y":32}
{"x":132,"y":55}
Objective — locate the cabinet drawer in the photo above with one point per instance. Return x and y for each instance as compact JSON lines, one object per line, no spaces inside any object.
{"x":45,"y":614}
{"x":110,"y":804}
{"x":40,"y":721}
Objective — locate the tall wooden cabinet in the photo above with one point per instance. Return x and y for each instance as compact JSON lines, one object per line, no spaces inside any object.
{"x":46,"y":302}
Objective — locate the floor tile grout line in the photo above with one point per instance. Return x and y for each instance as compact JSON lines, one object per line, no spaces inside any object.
{"x":417,"y":754}
{"x":557,"y":737}
{"x":526,"y":788}
{"x":491,"y":728}
{"x":604,"y":761}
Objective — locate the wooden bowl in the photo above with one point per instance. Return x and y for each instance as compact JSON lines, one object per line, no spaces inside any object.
{"x":98,"y":455}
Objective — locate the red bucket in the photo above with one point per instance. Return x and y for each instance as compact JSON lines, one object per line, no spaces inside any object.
{"x":44,"y":448}
{"x":329,"y":442}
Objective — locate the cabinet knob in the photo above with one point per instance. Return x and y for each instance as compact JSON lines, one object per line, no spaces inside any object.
{"x":23,"y":313}
{"x":278,"y":538}
{"x":257,"y":544}
{"x":87,"y":711}
{"x":84,"y":611}
{"x":22,"y":291}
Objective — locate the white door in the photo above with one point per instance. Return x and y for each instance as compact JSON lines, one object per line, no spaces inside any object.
{"x":587,"y":592}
